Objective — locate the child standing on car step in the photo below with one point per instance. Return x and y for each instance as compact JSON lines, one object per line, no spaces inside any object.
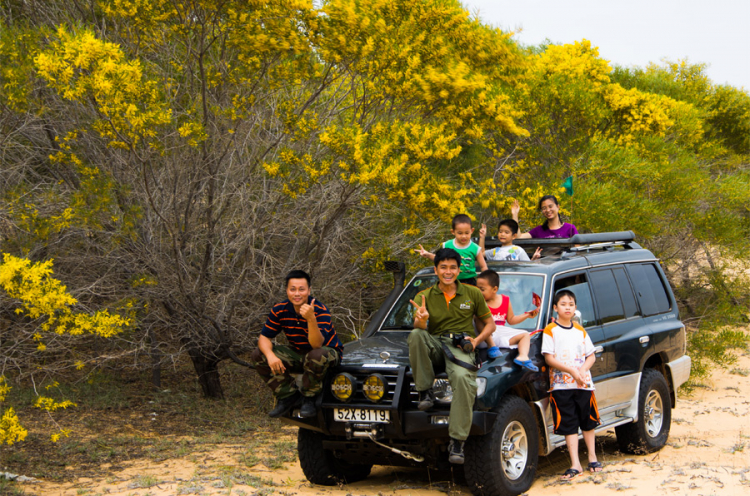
{"x":569,"y":352}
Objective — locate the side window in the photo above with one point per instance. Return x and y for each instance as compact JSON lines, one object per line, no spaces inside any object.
{"x":607,"y":296}
{"x":626,"y":293}
{"x":649,"y":289}
{"x":579,"y":285}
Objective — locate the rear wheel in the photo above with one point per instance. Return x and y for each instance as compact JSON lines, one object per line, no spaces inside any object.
{"x":651,"y":430}
{"x":320,"y":466}
{"x":503,"y":462}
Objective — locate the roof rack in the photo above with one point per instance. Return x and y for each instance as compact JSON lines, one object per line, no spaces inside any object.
{"x":577,"y":243}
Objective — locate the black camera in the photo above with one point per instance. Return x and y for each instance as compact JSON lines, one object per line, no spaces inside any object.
{"x":462,"y":341}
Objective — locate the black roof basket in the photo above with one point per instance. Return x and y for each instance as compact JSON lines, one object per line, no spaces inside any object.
{"x":579,"y":242}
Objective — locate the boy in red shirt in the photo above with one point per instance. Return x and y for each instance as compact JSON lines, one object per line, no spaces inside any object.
{"x":488,"y":283}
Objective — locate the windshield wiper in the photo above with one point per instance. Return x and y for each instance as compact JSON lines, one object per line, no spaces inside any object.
{"x":397,"y":328}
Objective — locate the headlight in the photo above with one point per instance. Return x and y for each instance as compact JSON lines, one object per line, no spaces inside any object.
{"x":342,"y":386}
{"x":374,"y":387}
{"x":481,"y":386}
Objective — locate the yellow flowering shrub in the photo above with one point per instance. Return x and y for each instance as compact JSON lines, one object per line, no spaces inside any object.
{"x":41,"y":296}
{"x":430,"y":54}
{"x":11,"y":430}
{"x":85,"y":69}
{"x":17,"y":50}
{"x":50,"y":405}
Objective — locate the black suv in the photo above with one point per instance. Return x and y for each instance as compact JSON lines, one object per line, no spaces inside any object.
{"x":368,"y":413}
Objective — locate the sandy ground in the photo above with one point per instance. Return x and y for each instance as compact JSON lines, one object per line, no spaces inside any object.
{"x":708,"y":453}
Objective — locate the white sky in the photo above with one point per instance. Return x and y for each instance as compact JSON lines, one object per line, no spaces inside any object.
{"x":636,"y":32}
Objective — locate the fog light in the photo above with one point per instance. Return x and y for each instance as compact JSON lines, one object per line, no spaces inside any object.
{"x":443,"y":390}
{"x":342,"y":386}
{"x":374,"y":387}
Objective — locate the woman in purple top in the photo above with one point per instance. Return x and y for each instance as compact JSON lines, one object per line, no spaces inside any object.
{"x":553,"y":227}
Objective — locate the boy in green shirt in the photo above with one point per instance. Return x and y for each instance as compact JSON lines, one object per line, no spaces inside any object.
{"x":471,"y":254}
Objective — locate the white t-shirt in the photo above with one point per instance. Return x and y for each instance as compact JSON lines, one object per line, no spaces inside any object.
{"x":511,"y":252}
{"x":571,"y":345}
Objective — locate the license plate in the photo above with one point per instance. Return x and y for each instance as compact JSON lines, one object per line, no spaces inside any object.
{"x":361,"y":415}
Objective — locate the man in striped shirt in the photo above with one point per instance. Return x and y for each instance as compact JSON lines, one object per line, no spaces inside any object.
{"x":313,"y":348}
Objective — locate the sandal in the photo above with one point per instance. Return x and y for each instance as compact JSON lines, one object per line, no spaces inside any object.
{"x":493,"y":352}
{"x":526,"y":364}
{"x":595,"y":467}
{"x":570,"y":474}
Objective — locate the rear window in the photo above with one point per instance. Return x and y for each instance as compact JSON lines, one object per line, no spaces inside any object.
{"x":649,"y":289}
{"x":626,"y":292}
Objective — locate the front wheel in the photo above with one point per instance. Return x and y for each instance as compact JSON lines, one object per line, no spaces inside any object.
{"x":320,"y":466}
{"x":651,"y":430}
{"x":503,"y":462}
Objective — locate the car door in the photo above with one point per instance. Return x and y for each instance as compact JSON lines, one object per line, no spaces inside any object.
{"x":578,"y":283}
{"x":622,"y":326}
{"x":620,"y":319}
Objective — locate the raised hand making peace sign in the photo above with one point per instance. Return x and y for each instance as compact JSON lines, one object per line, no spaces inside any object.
{"x":421,"y":313}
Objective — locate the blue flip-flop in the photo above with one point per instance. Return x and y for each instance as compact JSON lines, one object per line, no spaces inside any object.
{"x":526,"y":364}
{"x":493,"y":352}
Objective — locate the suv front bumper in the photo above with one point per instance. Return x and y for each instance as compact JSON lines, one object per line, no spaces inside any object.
{"x":403,"y":425}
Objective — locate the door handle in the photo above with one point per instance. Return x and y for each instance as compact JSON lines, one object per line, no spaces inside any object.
{"x":598,"y":350}
{"x":644,"y":339}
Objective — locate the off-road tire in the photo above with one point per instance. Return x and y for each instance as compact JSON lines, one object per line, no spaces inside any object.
{"x":651,"y":430}
{"x":320,"y":466}
{"x":488,"y":463}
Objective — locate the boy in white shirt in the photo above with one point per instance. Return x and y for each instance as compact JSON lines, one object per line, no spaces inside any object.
{"x":507,"y":230}
{"x":569,"y":352}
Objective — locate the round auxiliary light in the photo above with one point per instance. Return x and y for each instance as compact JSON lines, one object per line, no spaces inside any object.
{"x":342,"y":386}
{"x":374,"y":387}
{"x":442,"y":390}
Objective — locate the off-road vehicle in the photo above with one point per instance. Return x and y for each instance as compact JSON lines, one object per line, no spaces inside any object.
{"x":368,"y":413}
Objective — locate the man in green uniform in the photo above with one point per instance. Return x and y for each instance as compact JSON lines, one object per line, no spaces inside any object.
{"x":446,"y":309}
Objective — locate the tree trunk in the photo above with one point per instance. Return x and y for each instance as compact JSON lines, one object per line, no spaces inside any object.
{"x":208,"y":374}
{"x":155,"y":354}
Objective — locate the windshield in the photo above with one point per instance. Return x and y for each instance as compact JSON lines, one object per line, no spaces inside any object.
{"x":519,"y":287}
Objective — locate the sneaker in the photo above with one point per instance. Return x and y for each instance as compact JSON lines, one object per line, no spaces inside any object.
{"x":283,"y":405}
{"x":308,"y":408}
{"x":456,"y":452}
{"x":426,"y":400}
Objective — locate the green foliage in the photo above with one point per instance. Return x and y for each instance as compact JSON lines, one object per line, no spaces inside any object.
{"x":708,"y":349}
{"x":724,"y":109}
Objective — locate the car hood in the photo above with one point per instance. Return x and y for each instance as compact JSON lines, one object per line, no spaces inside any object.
{"x":368,"y":350}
